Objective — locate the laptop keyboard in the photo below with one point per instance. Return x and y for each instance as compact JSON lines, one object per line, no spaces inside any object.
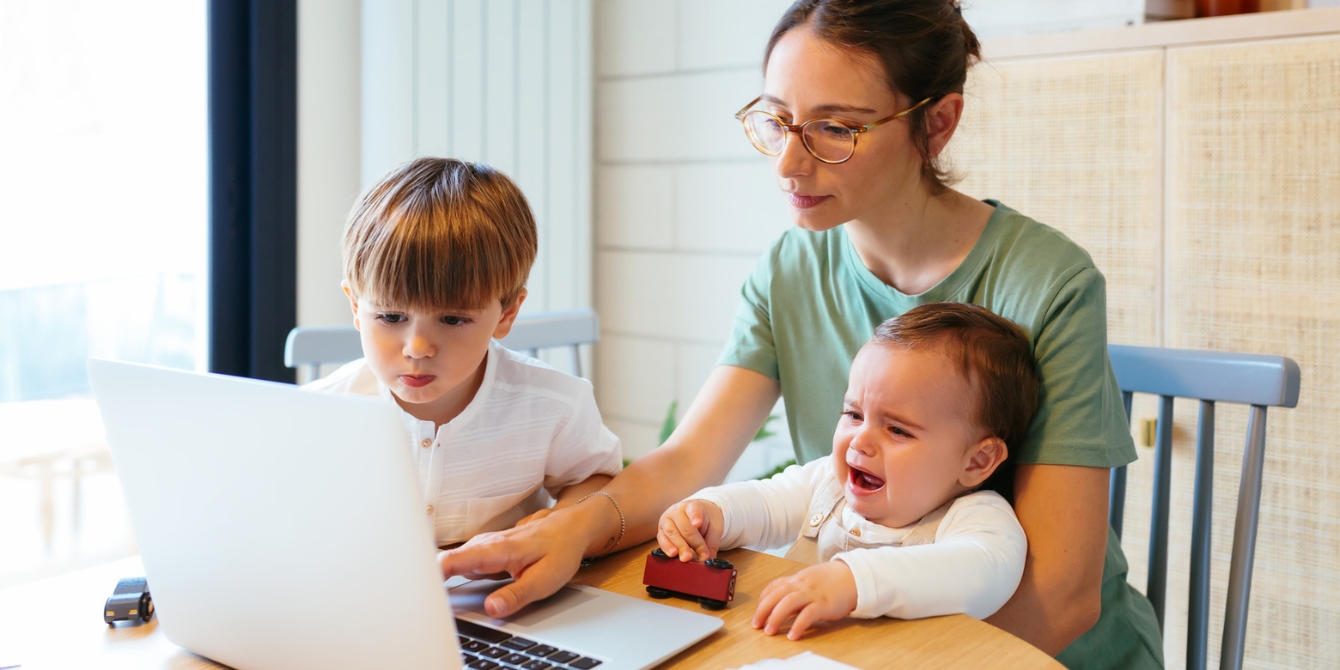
{"x":484,"y":648}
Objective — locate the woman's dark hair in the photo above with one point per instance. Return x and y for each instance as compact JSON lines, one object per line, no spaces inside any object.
{"x":925,"y":47}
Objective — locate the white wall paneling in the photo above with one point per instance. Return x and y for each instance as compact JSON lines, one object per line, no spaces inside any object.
{"x":388,"y":103}
{"x":682,"y":117}
{"x":637,"y":37}
{"x":328,"y":151}
{"x":684,"y":206}
{"x":714,"y":35}
{"x":505,"y":82}
{"x":434,"y":115}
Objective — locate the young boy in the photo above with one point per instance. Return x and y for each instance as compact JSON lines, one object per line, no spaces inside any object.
{"x":891,"y":524}
{"x":436,"y":256}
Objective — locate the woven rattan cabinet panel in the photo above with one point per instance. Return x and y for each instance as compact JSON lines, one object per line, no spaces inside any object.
{"x":1075,"y":143}
{"x":1210,"y":199}
{"x":1253,"y":264}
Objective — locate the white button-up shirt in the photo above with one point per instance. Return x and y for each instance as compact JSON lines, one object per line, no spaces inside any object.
{"x":529,"y":432}
{"x":967,"y":556}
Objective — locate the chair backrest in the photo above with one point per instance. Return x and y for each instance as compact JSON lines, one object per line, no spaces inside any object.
{"x":308,"y":348}
{"x":1209,"y":377}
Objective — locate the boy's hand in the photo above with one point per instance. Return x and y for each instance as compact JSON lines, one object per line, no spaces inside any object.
{"x":824,"y":592}
{"x":689,"y":529}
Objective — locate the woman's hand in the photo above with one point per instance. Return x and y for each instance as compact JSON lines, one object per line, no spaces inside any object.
{"x":690,"y":529}
{"x":825,"y":592}
{"x":534,"y":516}
{"x":540,"y":555}
{"x":545,"y":552}
{"x":568,"y":497}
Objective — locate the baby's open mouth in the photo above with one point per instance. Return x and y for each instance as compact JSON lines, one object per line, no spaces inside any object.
{"x":864,"y":480}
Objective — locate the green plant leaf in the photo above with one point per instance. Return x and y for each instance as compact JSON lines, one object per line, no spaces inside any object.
{"x":778,"y":470}
{"x":763,"y":432}
{"x":668,"y":427}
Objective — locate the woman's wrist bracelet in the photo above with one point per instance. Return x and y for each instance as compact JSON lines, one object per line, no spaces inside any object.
{"x":623,"y":524}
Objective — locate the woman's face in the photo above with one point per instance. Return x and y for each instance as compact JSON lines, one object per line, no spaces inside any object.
{"x":809,"y":78}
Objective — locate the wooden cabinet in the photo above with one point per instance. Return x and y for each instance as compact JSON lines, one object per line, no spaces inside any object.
{"x":1199,"y":163}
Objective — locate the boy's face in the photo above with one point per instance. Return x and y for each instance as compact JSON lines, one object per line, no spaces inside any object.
{"x":907,"y":441}
{"x":432,"y":361}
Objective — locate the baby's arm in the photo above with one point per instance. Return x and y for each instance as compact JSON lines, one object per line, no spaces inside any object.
{"x":973,"y":567}
{"x":762,"y":514}
{"x":568,"y":496}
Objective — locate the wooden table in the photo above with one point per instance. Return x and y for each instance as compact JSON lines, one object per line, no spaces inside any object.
{"x":56,"y":624}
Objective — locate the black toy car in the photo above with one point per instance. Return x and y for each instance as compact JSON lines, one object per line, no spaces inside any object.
{"x":130,"y":601}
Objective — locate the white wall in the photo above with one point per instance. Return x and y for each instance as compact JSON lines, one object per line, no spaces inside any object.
{"x":328,"y":151}
{"x":684,"y":205}
{"x":506,"y":82}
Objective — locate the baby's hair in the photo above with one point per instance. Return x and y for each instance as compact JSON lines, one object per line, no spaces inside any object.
{"x":440,"y":233}
{"x":993,"y":354}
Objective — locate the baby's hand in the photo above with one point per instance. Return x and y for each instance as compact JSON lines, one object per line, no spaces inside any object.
{"x":691,"y":528}
{"x":824,"y":592}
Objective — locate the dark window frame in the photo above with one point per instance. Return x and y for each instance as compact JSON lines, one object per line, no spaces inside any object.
{"x":253,"y":141}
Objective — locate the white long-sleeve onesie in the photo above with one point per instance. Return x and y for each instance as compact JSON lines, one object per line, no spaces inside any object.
{"x":967,"y":556}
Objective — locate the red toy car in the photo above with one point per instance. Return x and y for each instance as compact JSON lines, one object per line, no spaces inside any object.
{"x":711,"y":582}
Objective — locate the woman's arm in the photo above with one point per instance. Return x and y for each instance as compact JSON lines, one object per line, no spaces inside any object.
{"x":1063,"y":510}
{"x":545,"y":554}
{"x":573,"y":493}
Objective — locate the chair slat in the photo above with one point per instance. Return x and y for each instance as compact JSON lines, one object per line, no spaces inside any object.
{"x":1244,"y":541}
{"x":1116,"y":499}
{"x":1116,"y":491}
{"x":554,"y":329}
{"x":315,"y":345}
{"x":1198,"y":615}
{"x":1157,"y":588}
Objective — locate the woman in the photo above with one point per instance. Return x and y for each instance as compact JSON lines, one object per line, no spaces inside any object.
{"x":859,"y":100}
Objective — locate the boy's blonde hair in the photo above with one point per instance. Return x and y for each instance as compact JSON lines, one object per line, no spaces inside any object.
{"x":440,"y":233}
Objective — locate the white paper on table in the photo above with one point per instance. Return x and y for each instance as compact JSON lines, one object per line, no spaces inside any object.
{"x":807,"y":661}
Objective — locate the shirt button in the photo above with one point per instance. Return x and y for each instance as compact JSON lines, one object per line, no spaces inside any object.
{"x":814,"y":520}
{"x":426,"y":443}
{"x":430,"y":509}
{"x":856,"y":532}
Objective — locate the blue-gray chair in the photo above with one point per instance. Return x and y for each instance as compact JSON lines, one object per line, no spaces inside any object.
{"x":308,"y":348}
{"x":1210,"y":377}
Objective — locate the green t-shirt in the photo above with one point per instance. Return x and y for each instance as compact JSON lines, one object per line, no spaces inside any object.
{"x":811,"y":304}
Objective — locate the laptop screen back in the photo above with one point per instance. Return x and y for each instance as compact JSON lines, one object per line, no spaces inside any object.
{"x":274,"y":529}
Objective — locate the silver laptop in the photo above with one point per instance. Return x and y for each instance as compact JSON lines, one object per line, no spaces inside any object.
{"x":281,"y":528}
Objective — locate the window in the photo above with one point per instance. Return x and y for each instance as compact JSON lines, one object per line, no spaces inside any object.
{"x":103,"y":180}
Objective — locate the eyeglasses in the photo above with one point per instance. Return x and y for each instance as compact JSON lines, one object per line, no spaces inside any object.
{"x":829,"y":140}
